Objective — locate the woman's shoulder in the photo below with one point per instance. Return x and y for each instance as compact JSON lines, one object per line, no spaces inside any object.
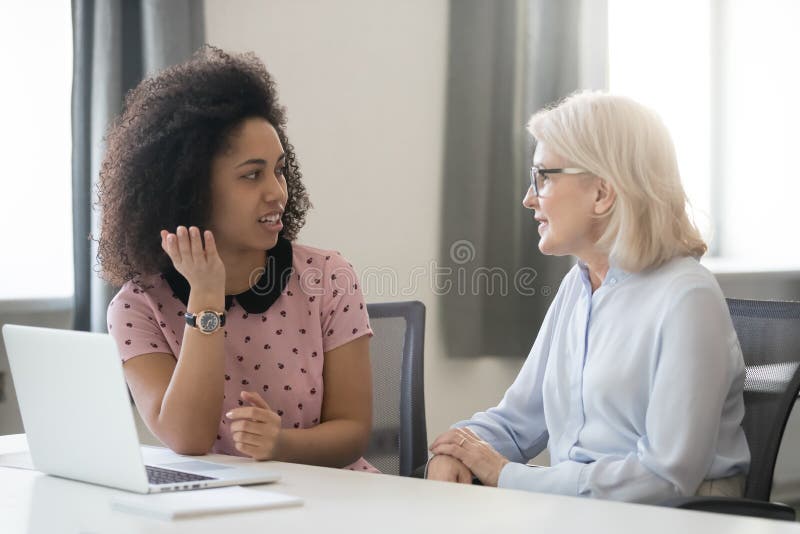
{"x":141,"y":288}
{"x":304,"y":256}
{"x":685,"y":271}
{"x":680,"y":277}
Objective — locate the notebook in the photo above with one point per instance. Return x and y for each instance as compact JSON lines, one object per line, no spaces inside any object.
{"x":178,"y":505}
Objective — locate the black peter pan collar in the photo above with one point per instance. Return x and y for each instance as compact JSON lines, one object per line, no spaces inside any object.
{"x":262,"y":295}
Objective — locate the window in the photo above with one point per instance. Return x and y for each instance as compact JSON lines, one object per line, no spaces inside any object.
{"x":722,"y":76}
{"x":36,"y":199}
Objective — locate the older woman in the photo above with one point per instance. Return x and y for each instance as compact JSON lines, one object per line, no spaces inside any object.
{"x":634,"y":382}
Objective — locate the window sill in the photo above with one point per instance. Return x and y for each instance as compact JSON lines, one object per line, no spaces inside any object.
{"x":36,"y":305}
{"x":732,"y":267}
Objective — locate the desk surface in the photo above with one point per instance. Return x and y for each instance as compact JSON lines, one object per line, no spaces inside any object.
{"x":345,"y":501}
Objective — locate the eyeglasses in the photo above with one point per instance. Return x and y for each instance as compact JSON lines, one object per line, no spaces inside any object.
{"x":540,"y":178}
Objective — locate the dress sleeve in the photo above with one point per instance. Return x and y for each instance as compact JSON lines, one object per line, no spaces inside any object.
{"x":131,"y":322}
{"x":344,"y":312}
{"x":699,"y":364}
{"x":516,"y":427}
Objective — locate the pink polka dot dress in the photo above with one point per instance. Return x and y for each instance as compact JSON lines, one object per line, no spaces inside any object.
{"x":307,"y":303}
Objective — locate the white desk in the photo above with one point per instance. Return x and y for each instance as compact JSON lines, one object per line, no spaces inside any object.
{"x":346,"y":501}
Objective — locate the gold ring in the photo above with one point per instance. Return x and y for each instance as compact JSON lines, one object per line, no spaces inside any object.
{"x":461,"y":443}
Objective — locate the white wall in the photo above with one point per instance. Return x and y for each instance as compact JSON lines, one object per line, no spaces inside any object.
{"x":364,"y":83}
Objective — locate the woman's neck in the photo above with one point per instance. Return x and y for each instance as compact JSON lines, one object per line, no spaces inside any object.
{"x":597,"y":266}
{"x":242,"y":269}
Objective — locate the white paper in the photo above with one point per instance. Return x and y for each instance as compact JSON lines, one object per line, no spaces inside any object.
{"x":176,"y":504}
{"x":18,"y":460}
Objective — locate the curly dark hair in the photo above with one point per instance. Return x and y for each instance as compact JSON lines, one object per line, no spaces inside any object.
{"x":157,"y":168}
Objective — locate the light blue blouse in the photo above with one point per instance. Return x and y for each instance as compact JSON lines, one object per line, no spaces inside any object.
{"x":636,"y":390}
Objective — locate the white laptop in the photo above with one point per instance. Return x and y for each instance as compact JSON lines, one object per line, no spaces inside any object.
{"x":79,"y":421}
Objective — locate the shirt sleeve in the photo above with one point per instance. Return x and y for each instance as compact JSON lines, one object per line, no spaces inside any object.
{"x":131,"y":323}
{"x":344,"y":312}
{"x":516,"y":427}
{"x":698,"y":361}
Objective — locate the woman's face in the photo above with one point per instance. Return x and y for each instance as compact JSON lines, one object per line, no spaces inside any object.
{"x":565,"y":208}
{"x":248,"y":188}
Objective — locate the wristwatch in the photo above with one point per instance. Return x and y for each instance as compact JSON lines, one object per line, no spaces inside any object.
{"x":207,"y":321}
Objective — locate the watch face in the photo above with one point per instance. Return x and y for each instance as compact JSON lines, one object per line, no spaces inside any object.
{"x":208,"y":322}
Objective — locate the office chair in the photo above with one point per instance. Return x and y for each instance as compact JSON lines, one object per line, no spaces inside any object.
{"x":769,"y":333}
{"x":399,"y":439}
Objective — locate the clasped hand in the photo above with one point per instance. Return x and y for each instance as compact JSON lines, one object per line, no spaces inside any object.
{"x":460,"y":454}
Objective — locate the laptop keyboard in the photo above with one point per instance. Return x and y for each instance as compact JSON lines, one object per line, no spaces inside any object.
{"x":159,"y":475}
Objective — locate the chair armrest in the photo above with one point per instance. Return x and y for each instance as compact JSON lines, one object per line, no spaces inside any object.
{"x":732,"y":505}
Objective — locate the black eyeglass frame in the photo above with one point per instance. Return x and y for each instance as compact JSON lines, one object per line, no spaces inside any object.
{"x":536,"y":171}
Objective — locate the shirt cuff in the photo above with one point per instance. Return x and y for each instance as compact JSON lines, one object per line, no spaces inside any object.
{"x":562,"y":479}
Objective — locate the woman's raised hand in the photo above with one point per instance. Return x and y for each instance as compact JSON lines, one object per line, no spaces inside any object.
{"x":201,"y":266}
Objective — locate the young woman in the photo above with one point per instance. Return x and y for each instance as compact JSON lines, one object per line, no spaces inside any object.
{"x":634,"y":382}
{"x":234,"y":338}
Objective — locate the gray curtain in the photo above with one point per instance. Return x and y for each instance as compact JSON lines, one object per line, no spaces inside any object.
{"x":507,"y":59}
{"x":116,"y":43}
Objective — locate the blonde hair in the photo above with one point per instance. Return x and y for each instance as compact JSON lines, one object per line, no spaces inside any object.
{"x":626,"y":144}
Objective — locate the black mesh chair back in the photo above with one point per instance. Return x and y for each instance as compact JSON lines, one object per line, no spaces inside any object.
{"x":769,"y":333}
{"x":399,"y":438}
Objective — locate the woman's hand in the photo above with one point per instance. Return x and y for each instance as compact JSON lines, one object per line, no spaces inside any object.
{"x":256,"y":428}
{"x":477,"y":455}
{"x":202,"y":267}
{"x":448,"y":469}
